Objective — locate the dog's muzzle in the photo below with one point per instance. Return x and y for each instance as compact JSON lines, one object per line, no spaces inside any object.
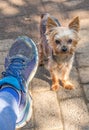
{"x":64,"y":49}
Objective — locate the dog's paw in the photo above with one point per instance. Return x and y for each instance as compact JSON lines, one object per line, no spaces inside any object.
{"x":55,"y":87}
{"x":68,"y":85}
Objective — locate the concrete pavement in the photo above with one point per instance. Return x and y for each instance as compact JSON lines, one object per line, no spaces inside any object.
{"x":64,"y":110}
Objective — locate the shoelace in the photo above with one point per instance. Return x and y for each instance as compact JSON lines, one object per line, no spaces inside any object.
{"x":15,"y":67}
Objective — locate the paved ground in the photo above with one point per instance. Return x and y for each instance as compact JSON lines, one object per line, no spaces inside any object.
{"x":64,"y":110}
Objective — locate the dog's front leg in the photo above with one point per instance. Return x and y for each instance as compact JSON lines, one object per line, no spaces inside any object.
{"x":55,"y":81}
{"x":65,"y":79}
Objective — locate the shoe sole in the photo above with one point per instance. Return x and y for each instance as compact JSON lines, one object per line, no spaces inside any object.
{"x":27,"y":117}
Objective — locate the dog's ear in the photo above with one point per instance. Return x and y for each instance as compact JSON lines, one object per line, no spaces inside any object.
{"x":50,"y":23}
{"x":75,"y":24}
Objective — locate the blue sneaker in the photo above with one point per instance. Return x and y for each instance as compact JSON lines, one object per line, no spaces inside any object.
{"x":20,"y":67}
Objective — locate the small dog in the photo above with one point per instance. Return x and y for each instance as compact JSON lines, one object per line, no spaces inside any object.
{"x":57,"y":49}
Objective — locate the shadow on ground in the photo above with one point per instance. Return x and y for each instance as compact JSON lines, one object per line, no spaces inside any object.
{"x":22,"y":17}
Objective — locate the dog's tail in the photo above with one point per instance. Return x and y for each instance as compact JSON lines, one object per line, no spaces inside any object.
{"x":44,"y":14}
{"x":43,"y":22}
{"x":44,"y":18}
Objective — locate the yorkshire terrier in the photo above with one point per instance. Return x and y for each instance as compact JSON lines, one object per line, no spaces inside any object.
{"x":57,"y":49}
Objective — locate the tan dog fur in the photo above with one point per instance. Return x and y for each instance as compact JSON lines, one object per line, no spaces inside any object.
{"x":57,"y":49}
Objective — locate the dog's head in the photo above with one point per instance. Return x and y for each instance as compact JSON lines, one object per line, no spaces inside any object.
{"x":63,"y":40}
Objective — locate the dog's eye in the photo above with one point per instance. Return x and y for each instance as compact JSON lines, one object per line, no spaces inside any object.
{"x":70,"y":41}
{"x":58,"y":42}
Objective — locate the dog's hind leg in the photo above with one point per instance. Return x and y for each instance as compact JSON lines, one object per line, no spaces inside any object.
{"x":41,"y":54}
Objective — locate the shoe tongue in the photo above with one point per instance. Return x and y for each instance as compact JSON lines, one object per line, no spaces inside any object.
{"x":17,"y":58}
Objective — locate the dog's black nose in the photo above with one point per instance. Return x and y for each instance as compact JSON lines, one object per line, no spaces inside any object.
{"x":64,"y":48}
